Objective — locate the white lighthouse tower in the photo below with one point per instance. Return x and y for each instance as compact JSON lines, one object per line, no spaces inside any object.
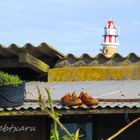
{"x":110,"y":43}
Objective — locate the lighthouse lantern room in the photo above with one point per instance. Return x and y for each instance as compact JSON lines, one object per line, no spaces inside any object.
{"x":110,"y":42}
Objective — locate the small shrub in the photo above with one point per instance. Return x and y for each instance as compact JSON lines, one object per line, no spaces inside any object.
{"x":9,"y":79}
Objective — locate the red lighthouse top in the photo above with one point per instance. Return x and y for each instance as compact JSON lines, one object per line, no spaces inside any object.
{"x":110,"y":34}
{"x":110,"y":24}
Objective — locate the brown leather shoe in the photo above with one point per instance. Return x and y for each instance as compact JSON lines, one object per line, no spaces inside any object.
{"x":88,"y":100}
{"x":66,"y":99}
{"x":71,"y":100}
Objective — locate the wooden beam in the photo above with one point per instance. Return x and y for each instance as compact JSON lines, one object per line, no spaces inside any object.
{"x":33,"y":62}
{"x":120,"y":100}
{"x":100,"y":100}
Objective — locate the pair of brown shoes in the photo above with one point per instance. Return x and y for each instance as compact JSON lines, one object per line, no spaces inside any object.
{"x":75,"y":100}
{"x":71,"y":100}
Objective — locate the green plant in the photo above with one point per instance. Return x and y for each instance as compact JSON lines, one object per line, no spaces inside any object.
{"x":9,"y":79}
{"x":55,"y":116}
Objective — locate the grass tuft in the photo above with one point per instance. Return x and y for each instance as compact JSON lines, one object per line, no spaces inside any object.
{"x":9,"y":79}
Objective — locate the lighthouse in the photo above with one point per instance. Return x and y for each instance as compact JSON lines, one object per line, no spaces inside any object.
{"x":110,"y":43}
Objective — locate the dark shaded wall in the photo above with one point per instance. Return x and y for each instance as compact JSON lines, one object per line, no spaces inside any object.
{"x":92,"y":127}
{"x":24,"y":128}
{"x":101,"y":127}
{"x":107,"y":125}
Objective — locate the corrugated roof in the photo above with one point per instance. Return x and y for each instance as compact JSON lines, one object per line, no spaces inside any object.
{"x":38,"y":51}
{"x":37,"y":59}
{"x":100,"y":59}
{"x":44,"y":50}
{"x":128,"y":89}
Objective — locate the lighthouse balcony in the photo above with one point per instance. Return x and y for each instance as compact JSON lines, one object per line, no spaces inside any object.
{"x":110,"y":44}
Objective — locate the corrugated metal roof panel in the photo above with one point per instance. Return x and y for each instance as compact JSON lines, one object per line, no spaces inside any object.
{"x":38,"y":51}
{"x":121,"y":89}
{"x":127,"y":89}
{"x":100,"y":59}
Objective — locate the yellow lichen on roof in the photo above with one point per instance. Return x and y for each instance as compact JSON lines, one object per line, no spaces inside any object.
{"x":94,"y":73}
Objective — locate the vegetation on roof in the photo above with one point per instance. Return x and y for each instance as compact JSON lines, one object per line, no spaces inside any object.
{"x":56,"y":118}
{"x":91,"y":73}
{"x":9,"y":79}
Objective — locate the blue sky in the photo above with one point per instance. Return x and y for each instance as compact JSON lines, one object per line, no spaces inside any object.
{"x":71,"y":26}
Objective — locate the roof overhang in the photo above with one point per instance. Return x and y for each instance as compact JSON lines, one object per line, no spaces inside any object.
{"x":37,"y":58}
